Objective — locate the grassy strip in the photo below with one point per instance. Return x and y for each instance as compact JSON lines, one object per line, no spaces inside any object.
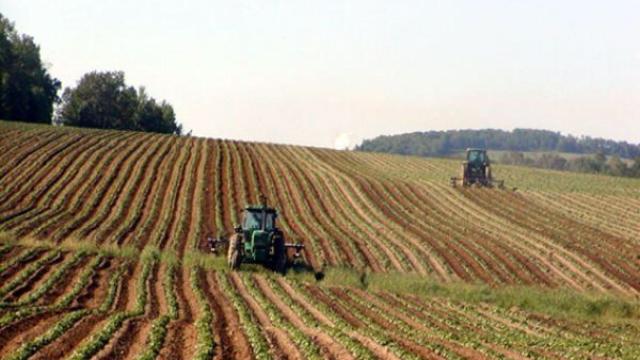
{"x":206,"y":343}
{"x":559,"y":302}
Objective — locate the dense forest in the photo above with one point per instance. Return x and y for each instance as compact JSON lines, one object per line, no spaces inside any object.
{"x":604,"y":156}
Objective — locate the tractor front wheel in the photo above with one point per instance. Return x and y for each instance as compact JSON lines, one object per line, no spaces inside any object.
{"x":233,"y":255}
{"x":279,"y":254}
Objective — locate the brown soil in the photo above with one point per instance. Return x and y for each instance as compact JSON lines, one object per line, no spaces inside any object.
{"x":282,"y":345}
{"x":281,"y":188}
{"x":94,"y":201}
{"x":65,"y":344}
{"x":35,"y":279}
{"x":92,"y":295}
{"x":231,"y":342}
{"x":144,"y":199}
{"x":422,"y":329}
{"x":77,"y":196}
{"x":329,"y":347}
{"x":181,"y":336}
{"x":127,"y":342}
{"x":190,"y":207}
{"x":38,"y":170}
{"x":145,"y":178}
{"x":68,"y":179}
{"x":39,"y":145}
{"x":299,"y":299}
{"x":50,"y":172}
{"x":130,"y":340}
{"x":225,"y":189}
{"x":260,"y":173}
{"x":66,"y":283}
{"x":115,"y":194}
{"x":208,"y":209}
{"x":13,"y":335}
{"x":11,"y":271}
{"x":175,"y":209}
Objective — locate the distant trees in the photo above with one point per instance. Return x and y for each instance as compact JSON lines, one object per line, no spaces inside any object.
{"x":103,"y":100}
{"x":27,"y":90}
{"x":595,"y":164}
{"x":443,"y":143}
{"x":607,"y":159}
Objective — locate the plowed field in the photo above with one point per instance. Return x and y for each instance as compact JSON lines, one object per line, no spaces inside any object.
{"x":103,"y":252}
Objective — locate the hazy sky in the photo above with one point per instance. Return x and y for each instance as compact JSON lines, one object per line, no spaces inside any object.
{"x":321,"y":72}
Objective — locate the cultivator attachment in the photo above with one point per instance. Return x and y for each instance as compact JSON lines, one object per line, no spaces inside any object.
{"x":216,"y":245}
{"x":460,"y":182}
{"x":297,"y":247}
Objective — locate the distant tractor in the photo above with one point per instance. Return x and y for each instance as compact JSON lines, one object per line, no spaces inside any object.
{"x":476,"y":171}
{"x":258,"y":240}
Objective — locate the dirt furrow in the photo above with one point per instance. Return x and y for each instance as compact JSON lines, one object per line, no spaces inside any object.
{"x":278,"y":338}
{"x":329,"y":347}
{"x":236,"y":345}
{"x":35,"y":279}
{"x":181,"y":337}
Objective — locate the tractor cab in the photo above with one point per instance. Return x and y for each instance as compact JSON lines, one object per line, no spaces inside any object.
{"x":258,"y":218}
{"x":477,"y":156}
{"x":260,"y":235}
{"x":476,"y":171}
{"x":258,"y":240}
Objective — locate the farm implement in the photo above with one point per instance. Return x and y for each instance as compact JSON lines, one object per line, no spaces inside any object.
{"x":476,"y":171}
{"x":258,"y":240}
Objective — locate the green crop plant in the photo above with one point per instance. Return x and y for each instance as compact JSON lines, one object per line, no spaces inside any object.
{"x":256,"y":338}
{"x":28,"y":271}
{"x":31,"y":347}
{"x":52,"y":280}
{"x":156,"y":338}
{"x":308,"y":348}
{"x":206,"y":343}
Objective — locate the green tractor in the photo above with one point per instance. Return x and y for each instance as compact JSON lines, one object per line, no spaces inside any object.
{"x":476,"y":171}
{"x":258,"y":240}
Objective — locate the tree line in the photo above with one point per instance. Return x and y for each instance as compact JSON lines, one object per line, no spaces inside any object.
{"x":29,"y":93}
{"x":605,"y":155}
{"x":597,"y":163}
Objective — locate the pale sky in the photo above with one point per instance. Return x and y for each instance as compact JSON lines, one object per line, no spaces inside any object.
{"x":328,"y":73}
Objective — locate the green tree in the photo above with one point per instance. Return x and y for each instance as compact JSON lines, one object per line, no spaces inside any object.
{"x":103,"y":100}
{"x":154,"y":117}
{"x":27,"y":91}
{"x":635,"y":168}
{"x":617,"y":167}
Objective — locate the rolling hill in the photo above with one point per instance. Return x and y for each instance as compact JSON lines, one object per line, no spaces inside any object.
{"x":103,"y":252}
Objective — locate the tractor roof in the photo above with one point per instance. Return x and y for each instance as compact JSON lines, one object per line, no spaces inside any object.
{"x":260,"y":208}
{"x":476,"y":149}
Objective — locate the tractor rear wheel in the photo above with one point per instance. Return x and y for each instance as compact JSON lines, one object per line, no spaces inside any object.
{"x":234,"y":258}
{"x":279,"y":254}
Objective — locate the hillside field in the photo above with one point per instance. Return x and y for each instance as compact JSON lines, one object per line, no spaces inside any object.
{"x":103,"y":254}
